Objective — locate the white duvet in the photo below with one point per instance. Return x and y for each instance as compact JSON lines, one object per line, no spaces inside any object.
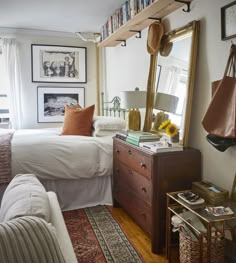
{"x":48,"y":155}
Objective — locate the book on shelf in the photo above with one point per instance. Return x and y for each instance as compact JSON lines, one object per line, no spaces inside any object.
{"x":140,"y":135}
{"x":128,"y":10}
{"x":157,"y":146}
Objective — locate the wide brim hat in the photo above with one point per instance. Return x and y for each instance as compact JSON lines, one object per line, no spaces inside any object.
{"x":155,"y":33}
{"x":166,"y":48}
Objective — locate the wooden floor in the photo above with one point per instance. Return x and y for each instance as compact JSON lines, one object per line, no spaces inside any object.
{"x":138,"y":237}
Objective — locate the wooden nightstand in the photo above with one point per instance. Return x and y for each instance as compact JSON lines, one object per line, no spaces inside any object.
{"x":142,"y":179}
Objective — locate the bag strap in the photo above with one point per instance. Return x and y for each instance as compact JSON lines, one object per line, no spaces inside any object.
{"x":231,"y":63}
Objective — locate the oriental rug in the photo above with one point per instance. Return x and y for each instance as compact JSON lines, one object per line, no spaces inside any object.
{"x":98,"y":238}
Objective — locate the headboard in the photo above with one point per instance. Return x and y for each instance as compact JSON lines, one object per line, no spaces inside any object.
{"x":112,"y":108}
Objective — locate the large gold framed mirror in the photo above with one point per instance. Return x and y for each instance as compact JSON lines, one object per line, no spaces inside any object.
{"x":175,"y":76}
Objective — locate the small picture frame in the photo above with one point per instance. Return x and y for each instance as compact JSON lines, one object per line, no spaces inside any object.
{"x":233,"y":191}
{"x":58,"y":64}
{"x":52,"y":101}
{"x":228,"y":21}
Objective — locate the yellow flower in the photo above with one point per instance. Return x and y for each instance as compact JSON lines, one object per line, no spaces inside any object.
{"x":164,"y":124}
{"x":171,"y":130}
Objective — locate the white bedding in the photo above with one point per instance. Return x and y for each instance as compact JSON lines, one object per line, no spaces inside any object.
{"x":48,"y":155}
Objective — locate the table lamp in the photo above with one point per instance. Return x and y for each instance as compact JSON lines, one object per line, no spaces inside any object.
{"x":165,"y":103}
{"x":133,"y":101}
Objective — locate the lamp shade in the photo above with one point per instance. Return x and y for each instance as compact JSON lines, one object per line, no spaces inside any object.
{"x":166,"y":102}
{"x":133,"y":99}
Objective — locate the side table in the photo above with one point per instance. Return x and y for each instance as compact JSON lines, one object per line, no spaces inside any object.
{"x":175,"y":206}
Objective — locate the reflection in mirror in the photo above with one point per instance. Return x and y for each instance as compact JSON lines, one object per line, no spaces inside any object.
{"x":175,"y":76}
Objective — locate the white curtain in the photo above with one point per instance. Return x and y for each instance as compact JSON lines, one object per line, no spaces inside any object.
{"x":10,"y":51}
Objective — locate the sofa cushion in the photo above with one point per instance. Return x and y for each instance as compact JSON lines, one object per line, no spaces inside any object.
{"x":25,"y":195}
{"x":29,"y":239}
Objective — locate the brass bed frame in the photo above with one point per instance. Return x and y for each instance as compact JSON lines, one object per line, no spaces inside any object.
{"x":112,"y":108}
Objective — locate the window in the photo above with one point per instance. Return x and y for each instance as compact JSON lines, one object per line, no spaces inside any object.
{"x":4,"y":103}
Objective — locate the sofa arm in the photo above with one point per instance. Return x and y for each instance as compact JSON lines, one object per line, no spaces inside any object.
{"x":57,"y":221}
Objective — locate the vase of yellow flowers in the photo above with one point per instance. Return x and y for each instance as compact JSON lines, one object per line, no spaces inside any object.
{"x":171,"y":130}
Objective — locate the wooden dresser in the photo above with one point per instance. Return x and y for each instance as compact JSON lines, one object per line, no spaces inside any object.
{"x":142,"y":179}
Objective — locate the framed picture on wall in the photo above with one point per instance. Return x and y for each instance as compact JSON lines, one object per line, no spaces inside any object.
{"x":228,"y":21}
{"x":52,"y":101}
{"x":58,"y":64}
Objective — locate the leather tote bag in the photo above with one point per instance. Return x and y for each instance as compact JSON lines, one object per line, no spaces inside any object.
{"x":220,"y":117}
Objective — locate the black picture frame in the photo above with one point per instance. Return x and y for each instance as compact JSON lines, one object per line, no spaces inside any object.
{"x":228,"y":21}
{"x":52,"y":100}
{"x":58,"y":64}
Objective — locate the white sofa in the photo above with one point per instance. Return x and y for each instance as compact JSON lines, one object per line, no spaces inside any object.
{"x":32,"y":227}
{"x":61,"y":230}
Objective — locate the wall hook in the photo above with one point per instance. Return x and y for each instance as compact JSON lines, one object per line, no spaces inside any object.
{"x":185,"y":2}
{"x":137,"y":31}
{"x":122,"y":40}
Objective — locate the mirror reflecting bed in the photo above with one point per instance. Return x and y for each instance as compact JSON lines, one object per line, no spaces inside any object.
{"x":175,"y":76}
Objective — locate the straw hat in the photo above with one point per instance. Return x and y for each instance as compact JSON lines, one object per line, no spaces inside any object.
{"x":166,"y":48}
{"x":155,"y":33}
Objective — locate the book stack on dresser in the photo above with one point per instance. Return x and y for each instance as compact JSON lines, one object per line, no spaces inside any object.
{"x":136,"y":137}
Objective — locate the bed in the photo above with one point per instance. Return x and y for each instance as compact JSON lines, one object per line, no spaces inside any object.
{"x":77,"y":168}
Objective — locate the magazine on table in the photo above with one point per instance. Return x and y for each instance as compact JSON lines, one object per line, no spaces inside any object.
{"x":157,"y":146}
{"x":219,"y":211}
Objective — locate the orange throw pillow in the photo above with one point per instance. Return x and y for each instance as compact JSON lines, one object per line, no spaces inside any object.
{"x":78,"y":121}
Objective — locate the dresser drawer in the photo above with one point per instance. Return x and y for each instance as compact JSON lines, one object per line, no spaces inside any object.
{"x":139,"y":210}
{"x":134,"y":158}
{"x":124,"y":176}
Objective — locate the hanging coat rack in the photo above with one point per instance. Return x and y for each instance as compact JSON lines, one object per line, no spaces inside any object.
{"x":123,"y":44}
{"x":137,"y":31}
{"x":185,"y":2}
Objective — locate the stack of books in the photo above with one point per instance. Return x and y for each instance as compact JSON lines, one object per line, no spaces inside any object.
{"x":136,"y":137}
{"x":128,"y":10}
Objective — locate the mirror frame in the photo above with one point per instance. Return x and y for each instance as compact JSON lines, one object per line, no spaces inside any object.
{"x":192,"y":29}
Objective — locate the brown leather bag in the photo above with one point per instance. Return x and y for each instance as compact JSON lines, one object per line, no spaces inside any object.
{"x":220,"y":118}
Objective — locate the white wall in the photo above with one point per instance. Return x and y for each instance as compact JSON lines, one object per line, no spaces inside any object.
{"x":26,"y":38}
{"x":127,"y":68}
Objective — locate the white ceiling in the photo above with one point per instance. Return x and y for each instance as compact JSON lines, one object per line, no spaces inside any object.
{"x":57,"y":15}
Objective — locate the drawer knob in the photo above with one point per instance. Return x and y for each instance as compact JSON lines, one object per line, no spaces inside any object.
{"x":129,"y":152}
{"x":144,"y":189}
{"x":144,"y":215}
{"x":117,"y":151}
{"x":143,"y":165}
{"x":130,"y":171}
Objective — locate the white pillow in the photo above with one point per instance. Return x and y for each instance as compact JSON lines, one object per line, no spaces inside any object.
{"x":108,"y":123}
{"x":25,"y":195}
{"x":103,"y":133}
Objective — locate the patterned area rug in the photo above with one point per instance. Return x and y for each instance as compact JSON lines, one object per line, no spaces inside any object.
{"x":97,"y":238}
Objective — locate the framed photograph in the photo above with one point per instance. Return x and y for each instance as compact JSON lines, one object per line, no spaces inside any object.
{"x":228,"y":21}
{"x":52,"y":101}
{"x":58,"y":64}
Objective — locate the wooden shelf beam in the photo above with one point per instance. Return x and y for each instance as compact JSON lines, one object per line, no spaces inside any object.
{"x":158,"y":9}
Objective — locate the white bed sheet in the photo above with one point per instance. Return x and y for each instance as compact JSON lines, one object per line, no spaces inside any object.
{"x":48,"y":155}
